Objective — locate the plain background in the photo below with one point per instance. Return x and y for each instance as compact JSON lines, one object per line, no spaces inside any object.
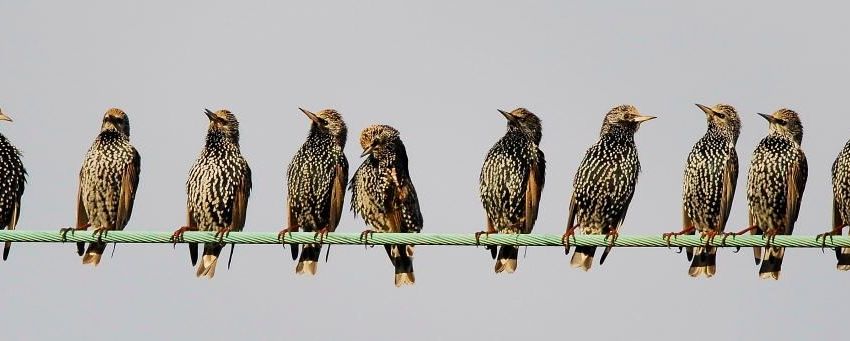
{"x":437,"y":71}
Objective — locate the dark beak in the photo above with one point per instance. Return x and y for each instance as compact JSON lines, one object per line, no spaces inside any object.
{"x":210,"y":114}
{"x":367,"y":151}
{"x":507,"y":115}
{"x":312,"y":116}
{"x":705,"y":109}
{"x":767,"y":117}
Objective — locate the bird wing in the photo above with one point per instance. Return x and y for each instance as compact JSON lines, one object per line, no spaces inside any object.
{"x":129,"y":184}
{"x":796,"y":185}
{"x":240,"y":200}
{"x":82,"y":216}
{"x":533,"y":189}
{"x":730,"y":181}
{"x":340,"y":178}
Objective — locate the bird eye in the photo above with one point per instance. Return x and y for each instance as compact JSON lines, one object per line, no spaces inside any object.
{"x":781,"y":122}
{"x":721,"y":115}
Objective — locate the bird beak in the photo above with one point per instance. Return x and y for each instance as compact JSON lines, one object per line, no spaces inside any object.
{"x":507,"y":115}
{"x":643,"y":118}
{"x":768,"y":117}
{"x":705,"y":109}
{"x":4,"y":117}
{"x":367,"y":151}
{"x":210,"y":114}
{"x":312,"y":116}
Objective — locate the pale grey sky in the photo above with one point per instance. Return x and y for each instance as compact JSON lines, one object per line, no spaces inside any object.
{"x":437,"y":71}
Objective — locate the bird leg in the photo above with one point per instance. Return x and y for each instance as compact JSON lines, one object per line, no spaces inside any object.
{"x":667,"y":236}
{"x":321,"y":234}
{"x":613,"y":234}
{"x":281,"y":236}
{"x":708,"y":236}
{"x":835,"y":231}
{"x":100,"y":232}
{"x":565,"y":239}
{"x":733,"y":234}
{"x":769,"y":235}
{"x":221,"y":233}
{"x":364,"y":236}
{"x":490,"y":230}
{"x":177,"y":236}
{"x":64,"y":231}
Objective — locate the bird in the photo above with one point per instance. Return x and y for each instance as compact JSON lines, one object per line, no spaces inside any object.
{"x":511,"y":182}
{"x":840,"y":204}
{"x":218,"y":189}
{"x":605,"y":183}
{"x":316,"y":179}
{"x":775,"y":185}
{"x":109,"y":178}
{"x":14,"y":177}
{"x":382,"y":193}
{"x":711,"y":174}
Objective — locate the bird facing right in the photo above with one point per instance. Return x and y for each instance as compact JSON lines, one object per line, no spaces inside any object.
{"x":382,"y":193}
{"x":775,"y":185}
{"x":13,"y":174}
{"x":511,"y":181}
{"x":605,"y":183}
{"x":711,"y":174}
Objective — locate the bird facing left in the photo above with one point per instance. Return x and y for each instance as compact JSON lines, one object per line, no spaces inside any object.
{"x":14,"y":178}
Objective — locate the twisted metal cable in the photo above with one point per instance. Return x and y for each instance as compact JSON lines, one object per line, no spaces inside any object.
{"x":458,"y":239}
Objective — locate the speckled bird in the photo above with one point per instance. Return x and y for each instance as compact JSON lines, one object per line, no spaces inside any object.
{"x":511,"y":181}
{"x":605,"y":182}
{"x":711,"y":174}
{"x":775,"y":185}
{"x":218,"y":188}
{"x":13,"y":174}
{"x":382,"y":193}
{"x":316,"y":180}
{"x":841,"y":204}
{"x":108,"y":181}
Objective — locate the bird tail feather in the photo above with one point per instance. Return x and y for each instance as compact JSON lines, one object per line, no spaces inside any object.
{"x":206,"y":268}
{"x":772,"y":263}
{"x":401,"y":257}
{"x":6,"y":248}
{"x":843,"y":256}
{"x":94,"y":253}
{"x":583,"y":257}
{"x":704,"y":262}
{"x":506,"y":261}
{"x":309,"y":260}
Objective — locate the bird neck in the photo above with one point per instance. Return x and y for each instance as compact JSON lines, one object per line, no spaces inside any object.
{"x":220,"y":139}
{"x":320,"y":135}
{"x":111,"y":133}
{"x":534,"y":136}
{"x":618,"y":133}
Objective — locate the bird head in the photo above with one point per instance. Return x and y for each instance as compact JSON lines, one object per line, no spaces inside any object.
{"x":525,"y":121}
{"x":4,"y":117}
{"x":723,"y":116}
{"x":626,"y":116}
{"x":375,"y":139}
{"x":116,"y":119}
{"x":225,"y":122}
{"x":330,"y":122}
{"x":786,"y":122}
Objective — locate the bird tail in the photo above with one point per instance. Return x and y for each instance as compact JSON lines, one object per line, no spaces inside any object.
{"x":506,"y":261}
{"x":772,"y":263}
{"x":193,"y":253}
{"x":6,"y":248}
{"x":402,"y":258}
{"x":208,"y":262}
{"x":843,"y":256}
{"x":81,"y":249}
{"x":704,"y":262}
{"x":583,"y":257}
{"x":93,"y":253}
{"x":309,"y":259}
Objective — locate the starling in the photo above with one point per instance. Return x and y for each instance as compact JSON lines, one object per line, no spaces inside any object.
{"x":711,"y":174}
{"x":218,"y":188}
{"x":775,"y":186}
{"x":14,"y":178}
{"x":840,"y":203}
{"x":382,"y":193}
{"x":316,"y":181}
{"x":108,"y":181}
{"x":511,"y":181}
{"x":605,"y":183}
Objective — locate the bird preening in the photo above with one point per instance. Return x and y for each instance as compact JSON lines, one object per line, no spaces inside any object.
{"x":511,"y":183}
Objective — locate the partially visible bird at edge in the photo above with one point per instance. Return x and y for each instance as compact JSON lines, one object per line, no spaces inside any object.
{"x":14,"y":179}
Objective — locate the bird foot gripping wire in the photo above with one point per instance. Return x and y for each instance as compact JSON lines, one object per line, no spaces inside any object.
{"x":64,"y":231}
{"x":177,"y":236}
{"x":281,"y":236}
{"x":708,"y":236}
{"x":565,"y":239}
{"x":100,"y":232}
{"x":365,"y":235}
{"x":673,"y":235}
{"x":613,"y":235}
{"x":321,"y":234}
{"x":835,"y":231}
{"x":222,"y":233}
{"x":769,"y":235}
{"x":735,"y":234}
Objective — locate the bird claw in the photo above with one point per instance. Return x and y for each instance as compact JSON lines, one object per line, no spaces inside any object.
{"x":613,"y":235}
{"x":63,"y":232}
{"x":177,"y":236}
{"x":478,"y":236}
{"x":823,"y":236}
{"x":565,"y":238}
{"x":100,"y":232}
{"x":364,"y":236}
{"x":222,"y":233}
{"x":281,"y":236}
{"x":321,"y":234}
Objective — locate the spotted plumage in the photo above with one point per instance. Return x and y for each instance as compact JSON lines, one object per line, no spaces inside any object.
{"x":605,"y":182}
{"x":316,"y":181}
{"x":109,"y":178}
{"x":382,"y":193}
{"x":841,"y":202}
{"x":711,"y":174}
{"x":13,"y":177}
{"x":218,"y":188}
{"x":775,"y":185}
{"x":511,"y":182}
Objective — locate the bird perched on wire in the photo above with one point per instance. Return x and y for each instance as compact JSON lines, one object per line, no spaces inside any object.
{"x":711,"y":174}
{"x":605,"y":183}
{"x":109,"y":178}
{"x":382,"y":193}
{"x":218,"y":188}
{"x":13,"y":174}
{"x":316,"y":180}
{"x":775,"y":185}
{"x":840,"y":204}
{"x":511,"y":181}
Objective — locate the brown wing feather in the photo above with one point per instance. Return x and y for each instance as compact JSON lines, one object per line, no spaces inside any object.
{"x":240,"y":202}
{"x":532,"y":198}
{"x":82,"y":216}
{"x":129,"y":184}
{"x":796,"y":186}
{"x":730,"y":181}
{"x":571,"y":218}
{"x":337,"y":196}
